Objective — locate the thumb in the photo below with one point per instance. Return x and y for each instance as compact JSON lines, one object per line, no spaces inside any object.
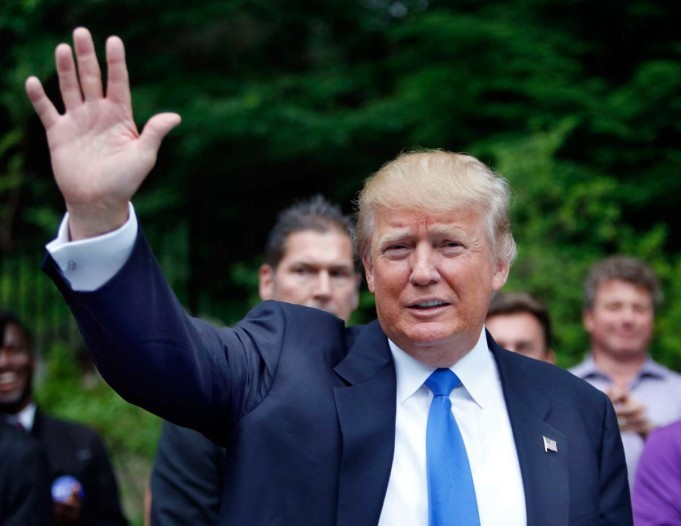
{"x":156,"y":129}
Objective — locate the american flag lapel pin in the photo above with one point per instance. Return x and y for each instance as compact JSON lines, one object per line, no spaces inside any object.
{"x":550,"y":445}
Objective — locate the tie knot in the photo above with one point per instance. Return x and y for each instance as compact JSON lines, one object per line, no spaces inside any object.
{"x":442,"y":381}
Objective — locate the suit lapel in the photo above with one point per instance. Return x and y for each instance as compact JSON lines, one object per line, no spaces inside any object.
{"x":366,"y":413}
{"x":545,"y":473}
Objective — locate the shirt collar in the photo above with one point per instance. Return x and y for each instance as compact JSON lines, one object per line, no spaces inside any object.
{"x":476,"y":370}
{"x":652,"y":368}
{"x":26,"y":417}
{"x":589,"y":369}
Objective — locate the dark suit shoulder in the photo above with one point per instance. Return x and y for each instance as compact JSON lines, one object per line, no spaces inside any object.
{"x":293,"y":313}
{"x":50,"y":426}
{"x":282,"y":324}
{"x":15,"y":445}
{"x":71,"y":448}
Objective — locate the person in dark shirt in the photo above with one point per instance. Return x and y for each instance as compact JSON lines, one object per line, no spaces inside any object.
{"x":71,"y":449}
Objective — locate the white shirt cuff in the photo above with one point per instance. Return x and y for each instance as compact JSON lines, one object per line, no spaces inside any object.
{"x":89,"y":263}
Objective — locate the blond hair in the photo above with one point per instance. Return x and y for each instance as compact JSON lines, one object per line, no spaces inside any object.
{"x":438,"y":181}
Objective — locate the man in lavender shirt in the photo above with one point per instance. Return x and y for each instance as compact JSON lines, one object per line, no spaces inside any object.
{"x":657,"y":490}
{"x":621,"y":294}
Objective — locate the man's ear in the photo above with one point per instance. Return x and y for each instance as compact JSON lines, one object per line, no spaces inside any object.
{"x":266,"y":282}
{"x":501,"y":271}
{"x":368,"y":271}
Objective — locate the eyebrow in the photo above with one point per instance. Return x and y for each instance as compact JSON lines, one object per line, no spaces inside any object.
{"x":401,"y":233}
{"x":395,"y":235}
{"x":448,"y":230}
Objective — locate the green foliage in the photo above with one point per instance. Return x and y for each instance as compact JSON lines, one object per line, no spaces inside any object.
{"x":565,"y":217}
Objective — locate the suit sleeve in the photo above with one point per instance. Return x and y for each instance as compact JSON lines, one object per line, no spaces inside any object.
{"x":615,"y":500}
{"x":187,"y":478}
{"x":157,"y":357}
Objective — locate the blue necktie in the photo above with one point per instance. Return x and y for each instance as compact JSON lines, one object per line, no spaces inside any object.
{"x":451,"y":494}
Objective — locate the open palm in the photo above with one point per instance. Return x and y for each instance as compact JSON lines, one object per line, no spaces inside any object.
{"x":98,"y":157}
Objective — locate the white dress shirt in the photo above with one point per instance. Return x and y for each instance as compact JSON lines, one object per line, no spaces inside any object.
{"x":479,"y":406}
{"x":480,"y":412}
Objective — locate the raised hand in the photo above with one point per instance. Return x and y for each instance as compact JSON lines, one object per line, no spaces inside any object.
{"x":99,"y":159}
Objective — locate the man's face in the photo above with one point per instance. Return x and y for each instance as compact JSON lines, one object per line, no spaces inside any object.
{"x":620,"y":322}
{"x":433,"y":275}
{"x":16,"y":369}
{"x":520,"y":332}
{"x":316,"y":271}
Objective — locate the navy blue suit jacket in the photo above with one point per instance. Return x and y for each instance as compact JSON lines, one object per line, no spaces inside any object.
{"x":306,"y":406}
